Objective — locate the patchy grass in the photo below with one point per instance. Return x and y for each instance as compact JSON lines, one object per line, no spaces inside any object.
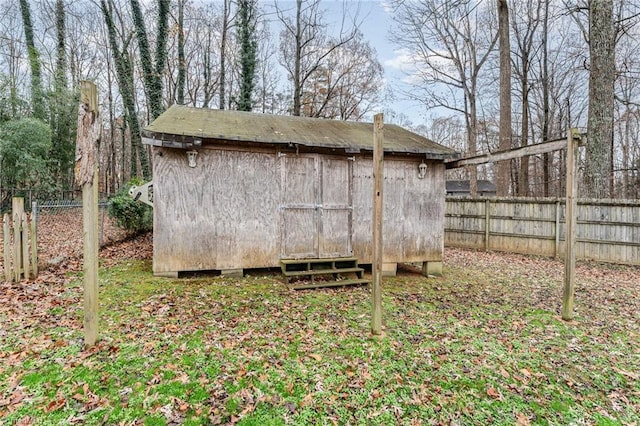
{"x":484,"y":344}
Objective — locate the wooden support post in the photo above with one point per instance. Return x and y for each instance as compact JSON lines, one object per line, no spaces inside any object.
{"x":25,"y":245}
{"x":378,"y":181}
{"x":34,"y":238}
{"x":17,"y":207}
{"x":6,"y":239}
{"x":557,"y":246}
{"x":570,"y":228}
{"x":86,"y":174}
{"x":487,"y":218}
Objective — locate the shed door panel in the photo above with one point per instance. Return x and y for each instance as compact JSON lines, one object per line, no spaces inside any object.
{"x":299,"y":237}
{"x":299,"y":209}
{"x":335,"y":226}
{"x":316,"y":207}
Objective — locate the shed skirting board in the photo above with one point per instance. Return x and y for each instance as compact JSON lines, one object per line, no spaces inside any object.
{"x":245,"y":210}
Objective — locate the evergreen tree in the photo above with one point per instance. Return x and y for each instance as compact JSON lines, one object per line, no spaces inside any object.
{"x":124,"y":72}
{"x":63,"y":109}
{"x":37,"y":97}
{"x":248,"y":48}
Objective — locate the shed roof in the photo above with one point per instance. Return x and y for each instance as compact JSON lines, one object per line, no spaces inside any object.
{"x":463,"y":186}
{"x":185,"y":127}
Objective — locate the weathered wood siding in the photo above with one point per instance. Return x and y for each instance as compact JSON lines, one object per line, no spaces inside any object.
{"x":222,"y":214}
{"x":413,"y":212}
{"x":241,"y":209}
{"x":608,"y":230}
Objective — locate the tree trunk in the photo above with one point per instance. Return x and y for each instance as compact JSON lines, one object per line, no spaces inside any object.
{"x":601,"y":97}
{"x":546,"y":162}
{"x":523,"y":182}
{"x":297,"y":83}
{"x":124,"y":73}
{"x":472,"y":140}
{"x":223,"y":51}
{"x":248,"y":47}
{"x":152,"y":75}
{"x":502,"y":178}
{"x":37,"y":94}
{"x":181,"y":59}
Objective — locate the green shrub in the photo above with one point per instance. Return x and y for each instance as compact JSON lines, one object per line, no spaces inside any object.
{"x":129,"y":214}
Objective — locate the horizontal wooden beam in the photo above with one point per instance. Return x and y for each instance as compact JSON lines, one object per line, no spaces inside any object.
{"x":523,"y":151}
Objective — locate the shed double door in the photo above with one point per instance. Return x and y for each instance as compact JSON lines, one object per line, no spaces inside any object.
{"x":316,"y":207}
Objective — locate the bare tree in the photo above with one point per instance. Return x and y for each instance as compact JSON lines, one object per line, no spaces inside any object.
{"x":305,"y":44}
{"x":449,"y":42}
{"x":527,"y":15}
{"x":222,"y":78}
{"x":601,"y":97}
{"x":346,"y":85}
{"x":502,"y":181}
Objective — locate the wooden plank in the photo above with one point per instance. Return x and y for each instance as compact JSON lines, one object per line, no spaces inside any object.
{"x":508,"y":155}
{"x":17,"y":208}
{"x":25,"y":246}
{"x":320,"y":272}
{"x":320,"y":284}
{"x":300,"y":212}
{"x":378,"y":180}
{"x":487,"y":222}
{"x":34,"y":238}
{"x":6,"y":239}
{"x":86,"y":174}
{"x":570,"y":238}
{"x":334,"y":238}
{"x":423,"y":213}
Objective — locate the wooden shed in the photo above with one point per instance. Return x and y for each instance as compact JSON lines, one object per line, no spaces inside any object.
{"x":235,"y":190}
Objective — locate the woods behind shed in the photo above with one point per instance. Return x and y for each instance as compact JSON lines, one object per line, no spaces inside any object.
{"x":236,"y":190}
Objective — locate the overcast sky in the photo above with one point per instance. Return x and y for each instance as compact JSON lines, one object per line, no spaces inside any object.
{"x":376,"y":27}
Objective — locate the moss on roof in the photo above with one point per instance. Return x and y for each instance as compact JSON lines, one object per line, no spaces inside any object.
{"x":280,"y":129}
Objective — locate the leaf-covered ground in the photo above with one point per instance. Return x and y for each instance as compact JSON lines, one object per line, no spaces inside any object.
{"x":484,"y":344}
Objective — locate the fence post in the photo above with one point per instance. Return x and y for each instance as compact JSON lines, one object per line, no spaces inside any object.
{"x":6,"y":237}
{"x":86,"y":174}
{"x":34,"y":238}
{"x":570,"y":228}
{"x":25,"y":245}
{"x":486,"y":224}
{"x":378,"y":180}
{"x":557,"y":230}
{"x":17,"y":207}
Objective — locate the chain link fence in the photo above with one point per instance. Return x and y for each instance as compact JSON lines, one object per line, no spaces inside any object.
{"x":60,"y":230}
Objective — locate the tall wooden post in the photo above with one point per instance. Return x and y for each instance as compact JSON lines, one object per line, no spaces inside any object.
{"x":34,"y":238}
{"x":86,"y":174}
{"x":17,"y":208}
{"x":6,"y":237}
{"x":376,"y":289}
{"x":570,"y":229}
{"x":487,"y":220}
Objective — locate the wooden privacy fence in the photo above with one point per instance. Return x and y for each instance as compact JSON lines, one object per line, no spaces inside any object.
{"x":607,"y":230}
{"x":18,"y":237}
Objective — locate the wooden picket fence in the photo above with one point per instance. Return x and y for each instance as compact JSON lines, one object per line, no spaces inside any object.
{"x":19,"y":242}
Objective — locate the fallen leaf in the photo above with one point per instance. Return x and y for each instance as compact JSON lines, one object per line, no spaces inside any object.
{"x":493,"y":393}
{"x":522,"y":420}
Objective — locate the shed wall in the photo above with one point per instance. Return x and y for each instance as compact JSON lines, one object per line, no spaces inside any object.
{"x":227,"y":213}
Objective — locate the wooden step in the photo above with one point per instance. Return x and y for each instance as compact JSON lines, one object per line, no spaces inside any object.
{"x":318,"y":264}
{"x":319,"y":284}
{"x":303,"y":273}
{"x":312,"y":268}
